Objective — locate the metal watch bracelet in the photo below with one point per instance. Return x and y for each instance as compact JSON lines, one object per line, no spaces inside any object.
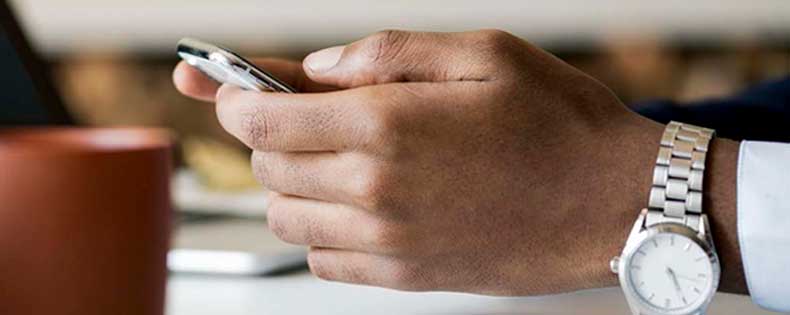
{"x":676,"y":194}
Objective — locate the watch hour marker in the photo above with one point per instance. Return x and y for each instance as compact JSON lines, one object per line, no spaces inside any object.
{"x":672,"y":240}
{"x":684,"y":300}
{"x":635,"y":267}
{"x":697,"y":290}
{"x":702,"y":275}
{"x":687,"y":247}
{"x":700,"y":259}
{"x":655,"y":243}
{"x":641,"y":252}
{"x":642,"y":283}
{"x":666,"y":303}
{"x":652,"y":295}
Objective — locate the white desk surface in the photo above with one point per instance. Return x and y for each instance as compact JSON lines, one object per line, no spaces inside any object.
{"x":301,"y":293}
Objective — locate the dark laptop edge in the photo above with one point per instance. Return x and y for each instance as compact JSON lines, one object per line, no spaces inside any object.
{"x":39,"y":74}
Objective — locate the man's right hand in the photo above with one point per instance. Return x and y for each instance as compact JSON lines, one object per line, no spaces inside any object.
{"x":470,"y":162}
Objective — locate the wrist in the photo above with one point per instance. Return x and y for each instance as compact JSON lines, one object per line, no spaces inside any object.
{"x":623,"y":182}
{"x":720,"y":205}
{"x":640,"y":139}
{"x":674,"y":232}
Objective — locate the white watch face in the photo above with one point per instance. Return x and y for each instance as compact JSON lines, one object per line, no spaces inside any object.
{"x":670,"y":272}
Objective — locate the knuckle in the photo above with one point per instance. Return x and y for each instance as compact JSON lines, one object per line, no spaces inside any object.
{"x":274,"y":218}
{"x":498,"y":42}
{"x":318,"y":266}
{"x":409,"y":276}
{"x":353,"y":272}
{"x":258,"y":128}
{"x":372,"y":188}
{"x":387,"y":126}
{"x":273,"y":170}
{"x":260,"y":166}
{"x":313,"y":232}
{"x":497,"y":38}
{"x":382,"y":46}
{"x":390,"y":237}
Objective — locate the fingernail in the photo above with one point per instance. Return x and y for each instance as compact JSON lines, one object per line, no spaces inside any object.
{"x":323,"y":60}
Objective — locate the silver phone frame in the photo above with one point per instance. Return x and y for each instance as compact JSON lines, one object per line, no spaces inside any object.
{"x":231,"y":62}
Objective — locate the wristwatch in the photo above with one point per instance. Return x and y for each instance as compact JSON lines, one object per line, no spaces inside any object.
{"x":669,"y":265}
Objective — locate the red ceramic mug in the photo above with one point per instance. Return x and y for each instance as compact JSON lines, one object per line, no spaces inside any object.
{"x":84,"y":220}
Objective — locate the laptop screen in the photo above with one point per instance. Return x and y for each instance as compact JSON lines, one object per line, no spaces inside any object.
{"x":26,"y":95}
{"x":20,"y":100}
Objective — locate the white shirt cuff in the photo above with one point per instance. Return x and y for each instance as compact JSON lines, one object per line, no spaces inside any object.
{"x":763,"y":194}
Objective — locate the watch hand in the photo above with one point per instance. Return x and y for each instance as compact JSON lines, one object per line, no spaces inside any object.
{"x":688,"y":278}
{"x":674,"y":278}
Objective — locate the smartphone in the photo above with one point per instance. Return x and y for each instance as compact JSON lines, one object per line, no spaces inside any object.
{"x":225,"y":66}
{"x":237,"y":247}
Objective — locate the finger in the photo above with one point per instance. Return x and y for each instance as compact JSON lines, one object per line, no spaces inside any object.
{"x":397,"y":56}
{"x":332,"y":121}
{"x":328,"y":176}
{"x":193,"y":83}
{"x":370,"y":269}
{"x":292,"y":73}
{"x":316,"y":223}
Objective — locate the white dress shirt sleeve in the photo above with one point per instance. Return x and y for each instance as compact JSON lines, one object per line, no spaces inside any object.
{"x":763,"y":194}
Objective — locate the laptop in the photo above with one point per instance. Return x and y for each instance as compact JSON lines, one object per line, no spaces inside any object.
{"x":202,"y":243}
{"x":30,"y":98}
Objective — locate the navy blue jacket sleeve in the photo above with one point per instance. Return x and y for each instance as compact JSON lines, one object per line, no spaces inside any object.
{"x":761,"y":112}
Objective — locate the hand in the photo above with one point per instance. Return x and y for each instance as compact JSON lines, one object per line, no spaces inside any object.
{"x":470,"y":162}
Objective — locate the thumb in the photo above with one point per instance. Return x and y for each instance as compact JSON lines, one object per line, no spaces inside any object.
{"x":399,"y":56}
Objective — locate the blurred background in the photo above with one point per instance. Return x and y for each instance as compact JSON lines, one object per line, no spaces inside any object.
{"x":112,"y":59}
